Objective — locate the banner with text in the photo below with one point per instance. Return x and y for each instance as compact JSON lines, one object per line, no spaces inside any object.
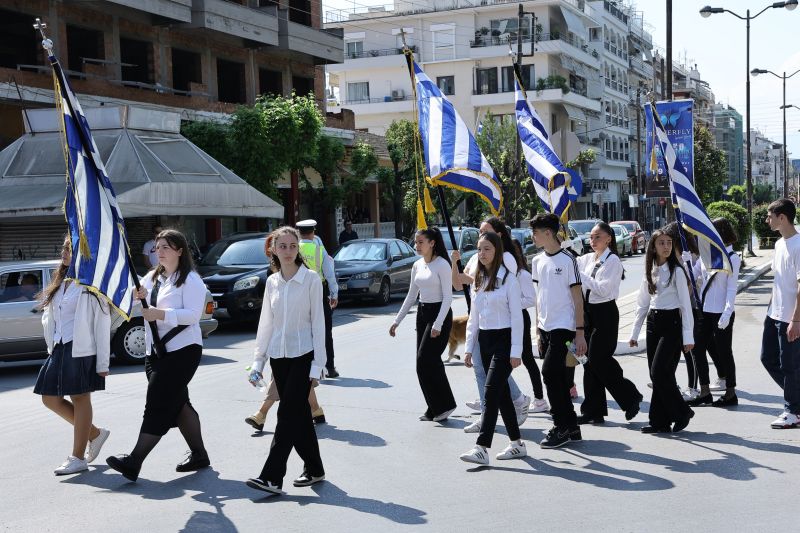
{"x":678,"y":119}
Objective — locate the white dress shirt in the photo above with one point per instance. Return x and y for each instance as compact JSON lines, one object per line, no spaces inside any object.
{"x":292,"y":321}
{"x":65,"y":303}
{"x":432,"y":282}
{"x":670,"y":294}
{"x":527,"y":291}
{"x":181,"y":305}
{"x":604,"y":286}
{"x":718,"y":291}
{"x":328,"y":270}
{"x":508,"y":261}
{"x":149,"y":249}
{"x":497,"y":309}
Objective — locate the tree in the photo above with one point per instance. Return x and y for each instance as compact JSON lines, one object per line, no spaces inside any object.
{"x":211,"y":137}
{"x":710,"y":166}
{"x":762,"y":193}
{"x":407,"y":167}
{"x":737,"y":194}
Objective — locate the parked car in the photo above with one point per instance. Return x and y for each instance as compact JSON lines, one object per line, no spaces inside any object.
{"x":525,"y":238}
{"x":638,"y":235}
{"x":624,"y":240}
{"x":583,"y":228}
{"x":573,"y":242}
{"x":21,"y":334}
{"x":466,"y":239}
{"x":374,"y":269}
{"x":235,"y":270}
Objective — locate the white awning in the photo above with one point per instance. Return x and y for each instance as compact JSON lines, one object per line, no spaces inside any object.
{"x":575,"y":113}
{"x":574,"y":23}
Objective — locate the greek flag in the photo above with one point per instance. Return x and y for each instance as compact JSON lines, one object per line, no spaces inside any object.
{"x":556,"y":185}
{"x":689,"y":210}
{"x":99,"y":243}
{"x":452,"y":157}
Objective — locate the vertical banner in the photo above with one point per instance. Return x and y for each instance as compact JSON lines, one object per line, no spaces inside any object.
{"x":678,"y":119}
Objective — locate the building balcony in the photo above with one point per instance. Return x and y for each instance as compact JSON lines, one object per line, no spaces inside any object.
{"x":641,"y":68}
{"x":546,"y":43}
{"x":257,"y":25}
{"x":323,"y":46}
{"x":369,"y":60}
{"x":550,"y":96}
{"x":180,"y":10}
{"x":380,"y":106}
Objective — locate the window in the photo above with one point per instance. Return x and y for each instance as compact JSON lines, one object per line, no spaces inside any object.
{"x":270,"y":82}
{"x":486,"y":80}
{"x":303,"y":86}
{"x":394,"y":248}
{"x":230,"y":82}
{"x":358,"y":92}
{"x":354,"y":49}
{"x":20,"y":45}
{"x":594,"y":34}
{"x":528,"y":75}
{"x":186,"y":69}
{"x":20,"y":286}
{"x":507,"y":77}
{"x":443,"y":41}
{"x":446,"y":84}
{"x":300,"y":11}
{"x":506,"y":29}
{"x":139,"y":54}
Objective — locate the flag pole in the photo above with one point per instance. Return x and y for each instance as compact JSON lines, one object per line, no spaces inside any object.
{"x":439,"y":192}
{"x":54,"y":63}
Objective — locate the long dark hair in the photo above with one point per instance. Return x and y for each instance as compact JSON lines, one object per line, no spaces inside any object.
{"x":499,"y":226}
{"x":489,"y":274}
{"x":673,"y":230}
{"x":48,"y":293}
{"x":518,"y":249}
{"x":650,"y":258}
{"x":612,"y":245}
{"x":177,"y":241}
{"x":272,"y":238}
{"x":439,"y":249}
{"x":725,"y":230}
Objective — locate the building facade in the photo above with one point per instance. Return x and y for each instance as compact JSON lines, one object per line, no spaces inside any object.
{"x":728,"y":134}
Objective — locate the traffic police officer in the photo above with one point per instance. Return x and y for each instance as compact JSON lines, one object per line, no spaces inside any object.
{"x":318,"y":260}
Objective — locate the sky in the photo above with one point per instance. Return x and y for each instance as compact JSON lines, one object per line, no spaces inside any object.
{"x":717,"y":45}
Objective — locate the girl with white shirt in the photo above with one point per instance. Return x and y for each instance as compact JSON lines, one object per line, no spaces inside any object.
{"x":601,"y":273}
{"x":291,"y":334}
{"x":718,"y":300}
{"x":495,"y":323}
{"x":430,"y":279}
{"x":77,"y":330}
{"x":176,"y":297}
{"x":664,"y":301}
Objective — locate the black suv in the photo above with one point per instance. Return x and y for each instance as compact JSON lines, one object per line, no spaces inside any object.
{"x":235,"y":270}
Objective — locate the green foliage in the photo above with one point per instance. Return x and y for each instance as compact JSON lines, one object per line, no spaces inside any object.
{"x":738,"y":194}
{"x":584,"y":157}
{"x":212,"y":137}
{"x":760,"y":226}
{"x":736,"y":215}
{"x":328,"y":160}
{"x":554,"y":81}
{"x":763,"y":193}
{"x":710,"y":166}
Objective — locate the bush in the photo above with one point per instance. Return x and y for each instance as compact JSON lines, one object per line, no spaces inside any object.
{"x":766,"y":237}
{"x":736,"y":215}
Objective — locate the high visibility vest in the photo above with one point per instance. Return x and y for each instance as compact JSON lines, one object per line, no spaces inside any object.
{"x":312,"y":255}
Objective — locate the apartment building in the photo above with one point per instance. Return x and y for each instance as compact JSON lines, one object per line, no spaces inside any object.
{"x":767,"y":161}
{"x":728,"y":134}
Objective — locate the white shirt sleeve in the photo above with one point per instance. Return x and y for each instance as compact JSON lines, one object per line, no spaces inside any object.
{"x":509,"y":262}
{"x":264,"y":333}
{"x":685,"y":304}
{"x":526,"y":289}
{"x":330,"y":275}
{"x":606,"y":282}
{"x":413,"y":292}
{"x":642,"y":307}
{"x":472,"y":324}
{"x":515,"y":308}
{"x":193,"y":292}
{"x":443,"y":271}
{"x":317,"y":327}
{"x":732,"y":287}
{"x":102,"y":332}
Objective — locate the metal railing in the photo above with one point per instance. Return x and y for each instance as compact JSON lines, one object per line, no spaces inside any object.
{"x":379,"y":100}
{"x":500,"y":40}
{"x":377,"y":53}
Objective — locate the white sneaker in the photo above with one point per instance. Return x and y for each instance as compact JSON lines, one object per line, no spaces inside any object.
{"x":539,"y":406}
{"x":785,"y":421}
{"x":96,"y":445}
{"x":477,"y":455}
{"x":443,"y":416}
{"x":522,"y":410}
{"x":474,"y":405}
{"x":690,"y":394}
{"x":72,"y":465}
{"x":475,"y":427}
{"x":514,"y":450}
{"x":718,"y":385}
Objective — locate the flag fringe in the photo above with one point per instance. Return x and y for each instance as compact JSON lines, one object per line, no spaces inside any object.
{"x":421,"y":224}
{"x":429,"y":207}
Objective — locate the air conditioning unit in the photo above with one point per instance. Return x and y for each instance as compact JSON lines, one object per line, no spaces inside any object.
{"x":398,"y":94}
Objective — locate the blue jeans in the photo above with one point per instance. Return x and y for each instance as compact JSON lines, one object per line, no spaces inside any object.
{"x":480,"y":377}
{"x":781,"y":358}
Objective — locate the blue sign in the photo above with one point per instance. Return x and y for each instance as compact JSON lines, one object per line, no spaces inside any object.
{"x":678,"y":120}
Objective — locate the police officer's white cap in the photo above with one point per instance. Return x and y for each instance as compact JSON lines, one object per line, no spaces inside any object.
{"x":309,"y":223}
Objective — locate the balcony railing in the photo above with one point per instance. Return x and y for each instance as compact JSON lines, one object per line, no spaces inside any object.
{"x":499,"y":40}
{"x":377,"y":53}
{"x":379,"y":100}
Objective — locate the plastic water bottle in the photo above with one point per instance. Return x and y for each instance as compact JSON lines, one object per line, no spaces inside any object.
{"x":255,"y":380}
{"x":571,"y":348}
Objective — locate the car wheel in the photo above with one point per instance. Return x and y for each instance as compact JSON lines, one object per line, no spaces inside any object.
{"x":385,"y":293}
{"x":630,"y":251}
{"x":128,"y":343}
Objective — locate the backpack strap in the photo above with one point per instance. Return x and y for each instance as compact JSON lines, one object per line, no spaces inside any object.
{"x":161,"y":347}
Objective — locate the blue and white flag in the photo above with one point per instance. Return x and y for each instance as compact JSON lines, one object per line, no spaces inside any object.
{"x":99,"y":243}
{"x":556,"y":186}
{"x":452,"y":157}
{"x":689,"y":210}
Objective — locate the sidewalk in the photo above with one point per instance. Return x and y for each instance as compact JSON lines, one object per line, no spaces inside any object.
{"x":754,"y":268}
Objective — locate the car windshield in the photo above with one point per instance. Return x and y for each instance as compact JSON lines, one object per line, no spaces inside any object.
{"x":630,"y":226}
{"x":361,"y":251}
{"x":519,"y":234}
{"x":226,"y":253}
{"x":448,"y":242}
{"x":582,"y":227}
{"x":617,"y":230}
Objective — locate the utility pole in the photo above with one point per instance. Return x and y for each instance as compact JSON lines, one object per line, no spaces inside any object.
{"x":517,"y":60}
{"x":639,"y":177}
{"x":669,"y":50}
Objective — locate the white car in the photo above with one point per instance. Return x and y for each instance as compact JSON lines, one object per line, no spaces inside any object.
{"x":21,"y":334}
{"x":573,"y":242}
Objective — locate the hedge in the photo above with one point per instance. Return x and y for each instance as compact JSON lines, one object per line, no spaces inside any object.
{"x":736,"y":215}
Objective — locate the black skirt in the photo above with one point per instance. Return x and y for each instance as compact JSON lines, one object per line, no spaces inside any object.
{"x":167,"y":387}
{"x":64,"y":375}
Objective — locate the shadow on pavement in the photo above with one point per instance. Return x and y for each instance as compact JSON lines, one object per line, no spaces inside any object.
{"x":760,"y":398}
{"x":350,"y":436}
{"x":356,"y":382}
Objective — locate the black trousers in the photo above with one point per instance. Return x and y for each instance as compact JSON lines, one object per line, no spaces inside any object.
{"x":496,"y":357}
{"x":168,"y":388}
{"x":430,"y":368}
{"x":554,"y":371}
{"x":664,"y":346}
{"x":326,"y":309}
{"x":708,"y":335}
{"x":527,"y":357}
{"x":602,"y":371}
{"x":295,"y":428}
{"x":691,"y":356}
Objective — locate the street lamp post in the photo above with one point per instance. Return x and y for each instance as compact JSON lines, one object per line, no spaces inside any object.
{"x":707,"y":12}
{"x":784,"y":107}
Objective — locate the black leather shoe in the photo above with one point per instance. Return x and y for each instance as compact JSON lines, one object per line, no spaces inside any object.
{"x":701,"y":400}
{"x":726,"y":402}
{"x":193,"y":461}
{"x":306,"y":479}
{"x":655,"y":429}
{"x":589,"y":419}
{"x":319,"y":419}
{"x":681,"y":424}
{"x":633,"y":410}
{"x":125,"y":465}
{"x":331,"y":372}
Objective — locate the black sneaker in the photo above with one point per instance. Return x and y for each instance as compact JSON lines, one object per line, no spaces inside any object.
{"x":589,"y":419}
{"x":331,"y":372}
{"x":557,"y":437}
{"x":266,"y":486}
{"x":575,"y":433}
{"x":306,"y":479}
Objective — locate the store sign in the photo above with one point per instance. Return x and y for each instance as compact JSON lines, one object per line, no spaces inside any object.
{"x":678,"y":119}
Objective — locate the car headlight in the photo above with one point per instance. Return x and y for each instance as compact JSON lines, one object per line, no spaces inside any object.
{"x":363,"y":275}
{"x":246,"y":283}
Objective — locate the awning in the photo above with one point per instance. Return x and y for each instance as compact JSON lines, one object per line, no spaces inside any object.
{"x":575,"y":23}
{"x":153,"y":168}
{"x":575,"y":113}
